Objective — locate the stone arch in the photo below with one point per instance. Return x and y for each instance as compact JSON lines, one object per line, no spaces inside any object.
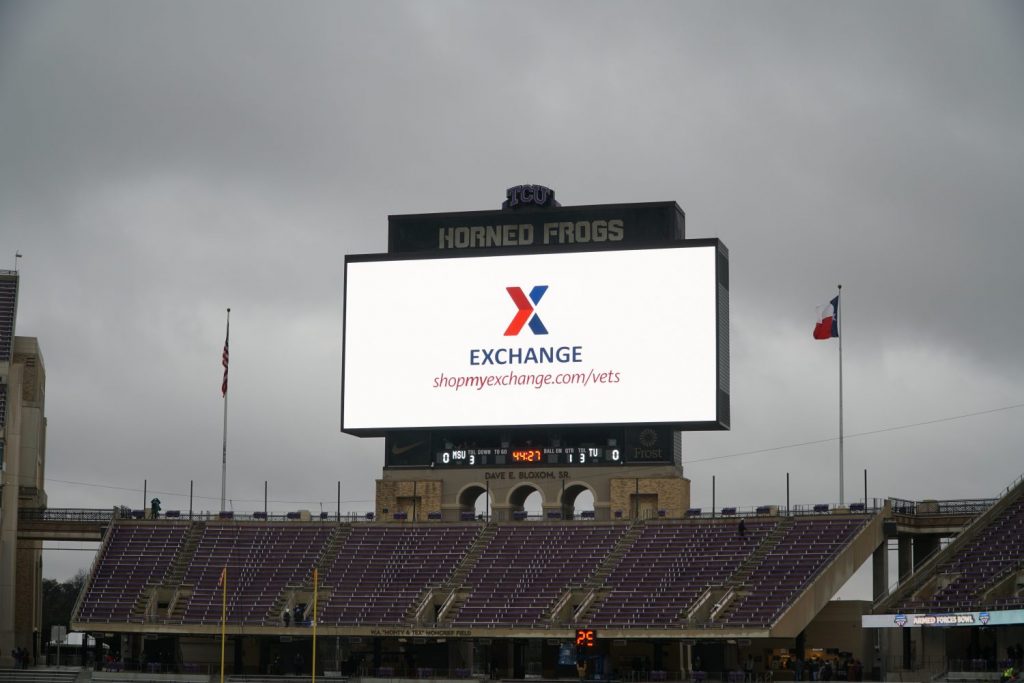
{"x":469,"y":500}
{"x":517,"y":497}
{"x":570,"y":495}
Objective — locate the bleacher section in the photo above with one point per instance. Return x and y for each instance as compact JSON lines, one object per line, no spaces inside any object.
{"x":8,"y":313}
{"x":134,"y":557}
{"x":805,"y":549}
{"x":670,"y":565}
{"x":381,"y":570}
{"x":261,"y":560}
{"x":525,"y":569}
{"x":518,"y":575}
{"x":988,"y":555}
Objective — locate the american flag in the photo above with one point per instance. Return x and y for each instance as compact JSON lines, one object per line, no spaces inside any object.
{"x":224,"y":361}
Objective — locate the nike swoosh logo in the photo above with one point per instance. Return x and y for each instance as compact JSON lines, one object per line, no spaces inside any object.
{"x":398,"y":450}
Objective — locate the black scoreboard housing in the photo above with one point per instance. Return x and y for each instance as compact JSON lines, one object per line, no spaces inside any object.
{"x":549,"y":229}
{"x":558,"y":447}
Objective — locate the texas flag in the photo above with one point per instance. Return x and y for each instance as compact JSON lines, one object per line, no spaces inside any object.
{"x":828,"y":320}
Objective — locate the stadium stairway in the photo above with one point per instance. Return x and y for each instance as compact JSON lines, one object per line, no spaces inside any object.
{"x":40,"y":675}
{"x":968,"y":677}
{"x":452,"y":594}
{"x":176,"y":574}
{"x":291,"y":594}
{"x":622,"y":545}
{"x":722,"y":602}
{"x":89,"y":676}
{"x":594,"y":589}
{"x":334,"y":544}
{"x":146,"y":605}
{"x":772,"y":540}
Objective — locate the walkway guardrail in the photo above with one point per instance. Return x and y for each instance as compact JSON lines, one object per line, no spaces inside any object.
{"x":974,"y":506}
{"x":85,"y":515}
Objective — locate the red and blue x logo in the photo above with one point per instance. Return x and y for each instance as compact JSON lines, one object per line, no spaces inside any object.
{"x":526,"y":310}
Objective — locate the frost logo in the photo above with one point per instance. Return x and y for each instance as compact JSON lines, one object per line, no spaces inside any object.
{"x":526,"y":310}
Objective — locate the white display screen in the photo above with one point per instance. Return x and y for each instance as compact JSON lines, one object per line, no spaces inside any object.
{"x":569,"y":338}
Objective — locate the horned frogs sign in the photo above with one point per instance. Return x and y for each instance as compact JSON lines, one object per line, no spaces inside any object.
{"x":530,"y":222}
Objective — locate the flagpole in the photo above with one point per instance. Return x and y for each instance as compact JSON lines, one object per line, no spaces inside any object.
{"x":839,"y":320}
{"x":224,"y":445}
{"x":316,"y":585}
{"x":223,"y":618}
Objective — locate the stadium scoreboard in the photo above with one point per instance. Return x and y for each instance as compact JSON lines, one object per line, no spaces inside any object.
{"x":540,"y":320}
{"x":533,"y":448}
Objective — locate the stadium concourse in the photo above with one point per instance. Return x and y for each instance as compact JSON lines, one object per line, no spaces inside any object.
{"x":658,"y":599}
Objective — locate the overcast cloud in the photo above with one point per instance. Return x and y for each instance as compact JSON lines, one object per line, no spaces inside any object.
{"x":160,"y":162}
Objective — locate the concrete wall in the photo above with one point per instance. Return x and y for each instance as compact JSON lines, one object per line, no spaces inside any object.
{"x":23,"y":486}
{"x":645,"y":497}
{"x":412,"y":496}
{"x":838,"y":625}
{"x":452,"y":491}
{"x":9,"y":518}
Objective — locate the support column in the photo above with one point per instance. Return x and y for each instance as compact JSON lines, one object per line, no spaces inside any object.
{"x":553,"y":507}
{"x":904,"y":545}
{"x":501,"y":513}
{"x":908,"y":654}
{"x":924,"y":546}
{"x":880,"y":570}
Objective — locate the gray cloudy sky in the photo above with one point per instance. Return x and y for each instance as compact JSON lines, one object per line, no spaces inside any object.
{"x":162,"y":161}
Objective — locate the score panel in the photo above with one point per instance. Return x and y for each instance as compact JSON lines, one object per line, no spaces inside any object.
{"x":607,"y":447}
{"x":527,"y":457}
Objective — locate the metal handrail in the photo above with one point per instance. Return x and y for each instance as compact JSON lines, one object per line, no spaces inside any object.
{"x":105,"y":515}
{"x":967,"y":506}
{"x":92,"y":572}
{"x":87,"y":515}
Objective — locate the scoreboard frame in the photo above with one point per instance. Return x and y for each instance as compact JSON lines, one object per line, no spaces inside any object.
{"x":713,"y":395}
{"x":549,"y":228}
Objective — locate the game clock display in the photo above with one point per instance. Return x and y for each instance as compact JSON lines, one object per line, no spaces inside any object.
{"x":528,"y":456}
{"x":585,"y":638}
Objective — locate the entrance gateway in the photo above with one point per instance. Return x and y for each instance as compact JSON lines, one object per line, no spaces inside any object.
{"x":537,"y":348}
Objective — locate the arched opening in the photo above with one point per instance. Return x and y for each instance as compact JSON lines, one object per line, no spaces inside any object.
{"x":473,"y":502}
{"x":527,"y":502}
{"x":577,"y":502}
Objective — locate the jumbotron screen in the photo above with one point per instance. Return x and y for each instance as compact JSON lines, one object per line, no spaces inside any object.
{"x":623,"y":337}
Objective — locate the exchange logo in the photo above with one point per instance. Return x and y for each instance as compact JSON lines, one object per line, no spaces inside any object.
{"x":527,"y":310}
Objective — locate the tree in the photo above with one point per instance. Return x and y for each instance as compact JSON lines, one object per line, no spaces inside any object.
{"x":59,"y":599}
